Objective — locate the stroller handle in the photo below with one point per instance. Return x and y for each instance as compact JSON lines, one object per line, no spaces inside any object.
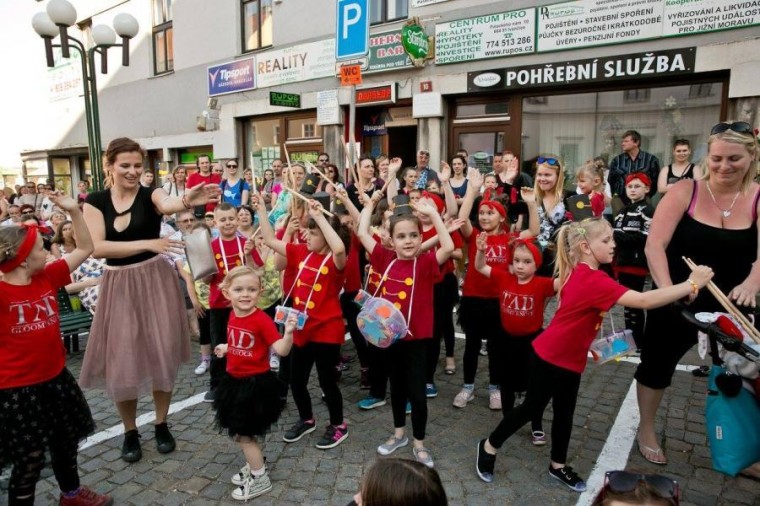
{"x":713,"y":331}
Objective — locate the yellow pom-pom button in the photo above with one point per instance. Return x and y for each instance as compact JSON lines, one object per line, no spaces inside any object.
{"x":297,"y":300}
{"x":402,"y":295}
{"x":397,"y":305}
{"x":310,"y":305}
{"x":218,"y":256}
{"x":300,"y":266}
{"x":324,"y":270}
{"x":317,"y":287}
{"x":298,"y":282}
{"x":384,"y":292}
{"x":238,"y":263}
{"x":408,"y":281}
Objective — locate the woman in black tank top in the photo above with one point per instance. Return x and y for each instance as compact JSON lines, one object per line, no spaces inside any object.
{"x":713,"y":221}
{"x":680,"y":168}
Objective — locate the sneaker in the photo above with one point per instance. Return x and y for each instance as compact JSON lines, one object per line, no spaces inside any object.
{"x":538,"y":438}
{"x":463,"y":398}
{"x":431,"y":391}
{"x":85,"y":497}
{"x":333,"y":436}
{"x":130,"y":449}
{"x":239,"y":478}
{"x":423,"y":456}
{"x":210,"y":396}
{"x":494,"y":400}
{"x":274,"y":362}
{"x":254,"y":486}
{"x":164,"y":439}
{"x":202,"y":367}
{"x":392,"y":445}
{"x":484,"y":347}
{"x":364,"y":379}
{"x":408,"y":409}
{"x":370,"y":403}
{"x":299,"y":430}
{"x":567,"y":476}
{"x":484,"y":463}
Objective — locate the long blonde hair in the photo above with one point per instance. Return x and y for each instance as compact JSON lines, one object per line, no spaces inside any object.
{"x":559,"y":188}
{"x":750,"y":144}
{"x":569,"y":240}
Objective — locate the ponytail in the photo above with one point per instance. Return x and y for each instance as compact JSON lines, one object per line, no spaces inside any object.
{"x":569,"y":240}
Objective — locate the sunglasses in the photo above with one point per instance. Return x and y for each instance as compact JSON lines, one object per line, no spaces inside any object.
{"x":550,"y":161}
{"x":623,"y":482}
{"x":232,"y":166}
{"x":740,"y":127}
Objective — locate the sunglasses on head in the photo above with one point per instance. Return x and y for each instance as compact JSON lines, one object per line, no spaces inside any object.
{"x":740,"y":127}
{"x":549,"y":161}
{"x":622,"y":482}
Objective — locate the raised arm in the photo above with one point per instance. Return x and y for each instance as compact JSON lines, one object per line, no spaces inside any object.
{"x":392,"y":184}
{"x":446,"y":242}
{"x":198,"y":195}
{"x":480,"y":257}
{"x":448,"y":193}
{"x":699,"y":277}
{"x":529,"y":196}
{"x":363,"y":232}
{"x":332,"y":238}
{"x":342,"y":194}
{"x":474,"y":182}
{"x":267,"y":232}
{"x":85,"y":245}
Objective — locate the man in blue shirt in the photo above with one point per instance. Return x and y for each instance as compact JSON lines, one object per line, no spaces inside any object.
{"x":631,"y":160}
{"x":424,"y":173}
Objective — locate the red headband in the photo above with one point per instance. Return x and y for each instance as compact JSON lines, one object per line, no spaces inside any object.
{"x":439,"y":205}
{"x":494,"y":205}
{"x":532,"y":247}
{"x":23,"y":251}
{"x":641,"y":177}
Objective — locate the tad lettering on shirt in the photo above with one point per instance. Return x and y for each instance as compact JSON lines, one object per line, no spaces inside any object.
{"x":241,"y":342}
{"x":497,"y":254}
{"x":34,"y":315}
{"x":516,"y":304}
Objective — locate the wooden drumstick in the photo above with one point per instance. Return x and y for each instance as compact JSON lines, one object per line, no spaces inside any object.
{"x":296,"y":194}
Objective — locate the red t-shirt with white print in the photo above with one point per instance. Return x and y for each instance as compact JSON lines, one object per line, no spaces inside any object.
{"x":31,"y":349}
{"x":248,"y":341}
{"x":498,"y":257}
{"x":522,"y":305}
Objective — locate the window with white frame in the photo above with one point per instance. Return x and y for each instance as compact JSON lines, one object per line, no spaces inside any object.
{"x":383,"y":11}
{"x":257,"y":24}
{"x":163,"y":37}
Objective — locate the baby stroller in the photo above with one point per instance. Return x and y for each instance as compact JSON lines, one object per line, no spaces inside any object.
{"x":732,"y":409}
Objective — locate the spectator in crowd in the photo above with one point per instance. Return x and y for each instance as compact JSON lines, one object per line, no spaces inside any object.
{"x":63,"y":241}
{"x":204,"y":175}
{"x":400,"y":482}
{"x":147,"y":178}
{"x":424,"y":172}
{"x":632,"y":159}
{"x":177,"y":187}
{"x":680,"y":168}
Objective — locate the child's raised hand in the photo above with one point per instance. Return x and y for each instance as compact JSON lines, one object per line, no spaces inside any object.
{"x":220,"y":350}
{"x":250,"y":244}
{"x":528,"y":194}
{"x":481,"y":242}
{"x":341,"y":192}
{"x":394,"y":165}
{"x":258,"y":202}
{"x":65,"y":202}
{"x":315,"y":209}
{"x":424,"y":208}
{"x":475,"y":178}
{"x":445,"y":173}
{"x":291,"y":323}
{"x":454,"y":224}
{"x":701,"y":275}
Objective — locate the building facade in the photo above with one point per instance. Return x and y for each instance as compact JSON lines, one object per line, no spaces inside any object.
{"x":528,"y":76}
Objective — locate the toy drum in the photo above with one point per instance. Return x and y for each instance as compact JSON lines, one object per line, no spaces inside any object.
{"x":381,"y":323}
{"x":613,"y":346}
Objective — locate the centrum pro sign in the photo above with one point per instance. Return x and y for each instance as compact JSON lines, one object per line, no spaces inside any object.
{"x":231,"y":77}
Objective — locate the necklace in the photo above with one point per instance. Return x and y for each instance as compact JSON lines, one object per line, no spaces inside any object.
{"x":726,"y":212}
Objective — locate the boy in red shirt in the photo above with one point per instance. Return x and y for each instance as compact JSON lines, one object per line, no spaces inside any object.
{"x":204,"y":175}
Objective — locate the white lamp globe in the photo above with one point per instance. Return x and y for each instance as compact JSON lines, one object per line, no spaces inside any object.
{"x":103,"y":35}
{"x":62,"y":12}
{"x":125,"y":25}
{"x":44,"y":26}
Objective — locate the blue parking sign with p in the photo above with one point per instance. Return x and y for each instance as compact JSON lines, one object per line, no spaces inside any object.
{"x":352,"y":34}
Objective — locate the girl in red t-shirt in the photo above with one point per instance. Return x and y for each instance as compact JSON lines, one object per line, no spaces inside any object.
{"x":560,"y":351}
{"x":407,"y":281}
{"x":43,"y":408}
{"x":479,"y":306}
{"x":320,"y":265}
{"x":522,"y":299}
{"x":247,"y":400}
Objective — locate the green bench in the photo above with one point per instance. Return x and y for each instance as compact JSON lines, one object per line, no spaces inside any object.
{"x":73,"y":322}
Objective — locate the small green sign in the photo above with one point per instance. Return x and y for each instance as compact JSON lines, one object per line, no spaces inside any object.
{"x":285,"y":99}
{"x":415,"y":41}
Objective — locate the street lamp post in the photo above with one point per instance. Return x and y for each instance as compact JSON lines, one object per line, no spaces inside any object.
{"x":54,"y":23}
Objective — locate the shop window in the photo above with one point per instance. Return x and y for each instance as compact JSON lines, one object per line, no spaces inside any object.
{"x":304,"y":128}
{"x":62,"y":174}
{"x":257,"y":24}
{"x":582,"y":126}
{"x":163,"y":37}
{"x":635,"y":96}
{"x":481,"y":147}
{"x":700,"y":90}
{"x":383,"y":11}
{"x":538,"y":100}
{"x":483,"y":110}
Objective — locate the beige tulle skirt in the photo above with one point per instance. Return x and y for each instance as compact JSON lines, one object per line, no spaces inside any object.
{"x":139,"y":336}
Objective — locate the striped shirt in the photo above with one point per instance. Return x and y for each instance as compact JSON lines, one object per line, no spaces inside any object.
{"x":622,"y":165}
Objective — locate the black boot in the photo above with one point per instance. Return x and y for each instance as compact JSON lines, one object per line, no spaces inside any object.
{"x":130,"y":450}
{"x":164,"y":439}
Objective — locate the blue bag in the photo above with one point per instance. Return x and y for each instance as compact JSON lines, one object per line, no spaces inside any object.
{"x":732,"y":428}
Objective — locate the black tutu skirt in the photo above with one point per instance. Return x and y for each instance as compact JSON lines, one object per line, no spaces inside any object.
{"x":248,"y":406}
{"x":33,"y":416}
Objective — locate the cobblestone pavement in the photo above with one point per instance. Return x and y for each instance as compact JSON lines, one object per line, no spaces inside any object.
{"x":198,"y":471}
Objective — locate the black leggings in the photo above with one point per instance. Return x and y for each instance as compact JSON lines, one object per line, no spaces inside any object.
{"x":547,"y":382}
{"x":26,"y":472}
{"x":350,"y":312}
{"x":634,"y":318}
{"x":480,"y":319}
{"x":302,"y":359}
{"x":204,"y":328}
{"x":445,"y":296}
{"x":218,"y":324}
{"x":405,"y":361}
{"x":514,"y":354}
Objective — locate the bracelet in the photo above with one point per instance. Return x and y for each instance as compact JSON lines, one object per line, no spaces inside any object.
{"x":184,"y":202}
{"x":694,"y":286}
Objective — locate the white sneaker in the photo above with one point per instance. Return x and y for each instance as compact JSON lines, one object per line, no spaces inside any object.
{"x":274,"y":361}
{"x":202,"y":367}
{"x":463,"y":398}
{"x":494,"y":400}
{"x":254,"y":486}
{"x":239,"y":478}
